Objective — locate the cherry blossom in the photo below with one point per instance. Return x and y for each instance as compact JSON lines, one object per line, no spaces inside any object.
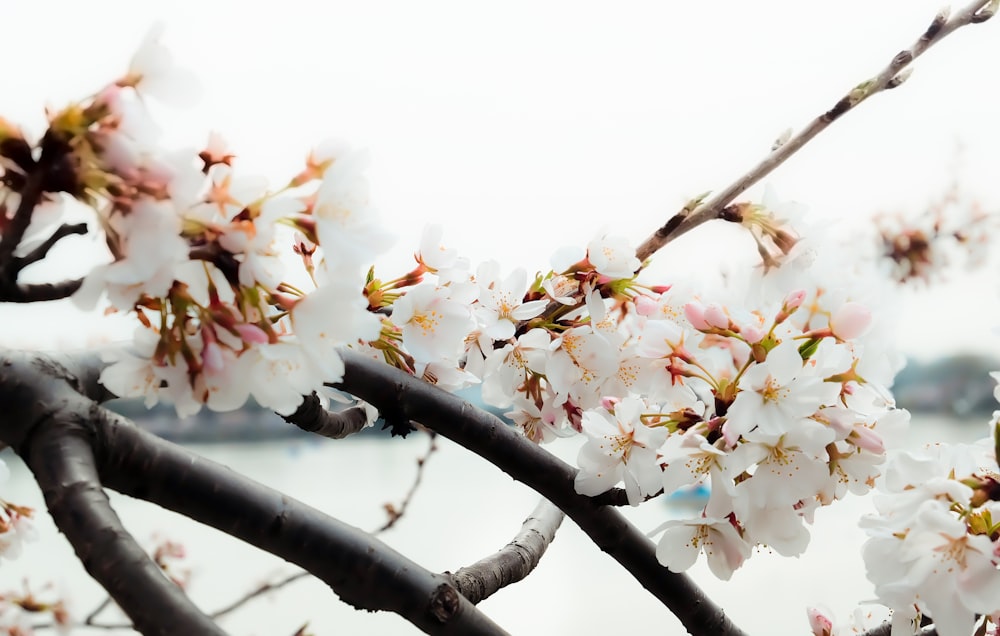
{"x":620,"y":447}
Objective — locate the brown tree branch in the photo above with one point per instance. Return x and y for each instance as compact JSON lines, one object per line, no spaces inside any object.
{"x":400,"y":396}
{"x":889,"y":77}
{"x":513,"y":562}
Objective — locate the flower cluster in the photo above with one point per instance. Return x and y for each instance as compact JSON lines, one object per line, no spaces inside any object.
{"x":920,"y":248}
{"x":195,"y":250}
{"x":776,"y":406}
{"x":934,"y":546}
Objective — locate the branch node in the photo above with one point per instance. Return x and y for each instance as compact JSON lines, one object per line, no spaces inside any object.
{"x":939,"y":21}
{"x":444,"y":603}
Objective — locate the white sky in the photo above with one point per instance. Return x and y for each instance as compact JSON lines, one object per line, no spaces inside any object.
{"x":524,"y":126}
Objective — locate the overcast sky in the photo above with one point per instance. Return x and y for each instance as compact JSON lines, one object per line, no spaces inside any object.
{"x":524,"y":126}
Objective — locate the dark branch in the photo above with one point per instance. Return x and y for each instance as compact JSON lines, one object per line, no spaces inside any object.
{"x":59,"y":454}
{"x":313,"y":418}
{"x":399,"y":395}
{"x":514,"y":561}
{"x":42,"y":250}
{"x":362,"y":570}
{"x":37,"y":292}
{"x":31,"y":195}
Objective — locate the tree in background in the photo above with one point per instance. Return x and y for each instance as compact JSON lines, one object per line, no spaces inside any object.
{"x":777,"y":396}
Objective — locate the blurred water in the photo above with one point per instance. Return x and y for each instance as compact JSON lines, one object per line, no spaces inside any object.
{"x":465,"y":510}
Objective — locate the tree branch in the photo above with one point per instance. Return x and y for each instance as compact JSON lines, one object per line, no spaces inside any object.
{"x":42,"y":250}
{"x":38,"y":292}
{"x":313,"y":418}
{"x":398,"y":395}
{"x":888,"y":78}
{"x":514,"y":561}
{"x":362,"y":570}
{"x":59,"y":454}
{"x":31,"y":195}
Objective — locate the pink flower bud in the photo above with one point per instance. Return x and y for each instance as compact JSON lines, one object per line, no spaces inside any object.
{"x":251,"y":334}
{"x":753,"y":334}
{"x":794,"y":300}
{"x":695,"y":313}
{"x":867,"y":439}
{"x":608,"y":402}
{"x":211,"y":358}
{"x":716,"y":317}
{"x":645,"y":306}
{"x":850,"y":321}
{"x":820,"y":623}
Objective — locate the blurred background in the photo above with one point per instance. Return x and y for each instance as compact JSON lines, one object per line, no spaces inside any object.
{"x":522,"y":128}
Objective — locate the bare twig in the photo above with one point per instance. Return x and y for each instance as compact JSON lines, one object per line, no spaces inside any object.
{"x":396,"y":513}
{"x":513,"y":562}
{"x":313,"y":418}
{"x":888,"y":78}
{"x":260,"y":590}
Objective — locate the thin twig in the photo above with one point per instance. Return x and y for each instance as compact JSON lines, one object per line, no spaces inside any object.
{"x":888,"y":78}
{"x":260,"y":590}
{"x":513,"y":562}
{"x":396,"y":513}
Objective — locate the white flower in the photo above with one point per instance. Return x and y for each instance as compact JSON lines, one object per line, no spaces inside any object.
{"x":331,"y":316}
{"x":612,"y":256}
{"x":434,"y":326}
{"x":683,"y":540}
{"x":501,"y":303}
{"x":777,"y":394}
{"x":152,"y":72}
{"x":620,"y":447}
{"x":346,"y":225}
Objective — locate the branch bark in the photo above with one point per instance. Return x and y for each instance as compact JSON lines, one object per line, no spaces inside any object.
{"x":400,"y":396}
{"x":59,"y":454}
{"x":513,"y":562}
{"x":313,"y":418}
{"x":888,"y":78}
{"x":362,"y":570}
